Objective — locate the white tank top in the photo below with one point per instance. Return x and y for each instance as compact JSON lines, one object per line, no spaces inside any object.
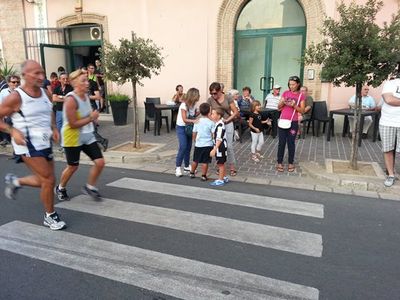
{"x":34,"y":121}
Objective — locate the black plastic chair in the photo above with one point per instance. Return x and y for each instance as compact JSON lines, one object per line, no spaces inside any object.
{"x":155,"y":100}
{"x":320,"y":115}
{"x":151,"y":114}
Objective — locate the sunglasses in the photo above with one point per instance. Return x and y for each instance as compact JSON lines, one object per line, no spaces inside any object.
{"x":15,"y":82}
{"x":294,"y":78}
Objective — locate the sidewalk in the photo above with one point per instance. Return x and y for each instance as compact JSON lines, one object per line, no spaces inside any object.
{"x":310,"y":172}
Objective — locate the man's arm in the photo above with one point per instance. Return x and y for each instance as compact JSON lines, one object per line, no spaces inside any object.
{"x":10,"y":105}
{"x":390,"y":99}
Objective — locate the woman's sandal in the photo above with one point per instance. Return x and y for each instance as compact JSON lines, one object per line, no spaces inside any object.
{"x":279,"y":168}
{"x":233,"y":173}
{"x":291,"y":168}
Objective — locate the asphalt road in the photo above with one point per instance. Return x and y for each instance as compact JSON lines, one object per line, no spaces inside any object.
{"x":155,"y":236}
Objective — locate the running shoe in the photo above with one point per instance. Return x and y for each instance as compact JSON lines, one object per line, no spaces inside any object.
{"x":53,"y":222}
{"x":226,"y":179}
{"x":11,"y":189}
{"x":389,"y":181}
{"x":192,"y":175}
{"x":186,"y":170}
{"x":92,"y":193}
{"x":204,"y":178}
{"x":217,"y":182}
{"x":61,"y":194}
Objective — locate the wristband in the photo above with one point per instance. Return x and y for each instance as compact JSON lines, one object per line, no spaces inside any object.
{"x":8,"y":130}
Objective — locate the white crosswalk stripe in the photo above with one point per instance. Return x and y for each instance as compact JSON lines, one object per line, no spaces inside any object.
{"x":175,"y":276}
{"x":164,"y":273}
{"x":256,"y":234}
{"x":261,"y":202}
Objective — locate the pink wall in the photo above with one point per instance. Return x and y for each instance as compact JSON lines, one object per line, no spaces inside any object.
{"x":187,"y":31}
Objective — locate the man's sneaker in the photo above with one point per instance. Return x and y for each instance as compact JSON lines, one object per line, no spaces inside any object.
{"x":186,"y":170}
{"x":389,"y":181}
{"x":192,"y":175}
{"x":178,"y":172}
{"x":226,"y":179}
{"x":53,"y":222}
{"x":217,"y":183}
{"x":11,"y":189}
{"x":61,"y":194}
{"x":92,"y":193}
{"x":204,"y":178}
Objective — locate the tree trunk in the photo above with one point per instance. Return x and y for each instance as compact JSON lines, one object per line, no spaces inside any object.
{"x":356,"y":135}
{"x":136,"y":137}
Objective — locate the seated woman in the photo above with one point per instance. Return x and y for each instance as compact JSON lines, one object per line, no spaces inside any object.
{"x":179,"y":95}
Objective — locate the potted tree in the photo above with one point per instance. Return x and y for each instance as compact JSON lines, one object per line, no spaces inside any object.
{"x":119,"y":107}
{"x":132,"y":61}
{"x":355,"y":50}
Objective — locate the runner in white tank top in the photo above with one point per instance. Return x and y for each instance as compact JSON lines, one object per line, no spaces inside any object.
{"x":34,"y":128}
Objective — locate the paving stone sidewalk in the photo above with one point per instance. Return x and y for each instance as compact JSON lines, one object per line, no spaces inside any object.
{"x":311,"y":153}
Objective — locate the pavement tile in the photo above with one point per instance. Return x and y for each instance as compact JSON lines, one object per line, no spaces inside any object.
{"x":323,"y":188}
{"x":369,"y":194}
{"x":340,"y":190}
{"x":389,"y":196}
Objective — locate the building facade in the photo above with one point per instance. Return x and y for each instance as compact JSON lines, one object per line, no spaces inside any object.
{"x":254,"y":43}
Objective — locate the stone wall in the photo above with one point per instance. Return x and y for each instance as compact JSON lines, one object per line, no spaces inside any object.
{"x":11,"y":25}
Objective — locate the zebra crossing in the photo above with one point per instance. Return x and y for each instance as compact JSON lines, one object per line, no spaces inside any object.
{"x":165,"y":273}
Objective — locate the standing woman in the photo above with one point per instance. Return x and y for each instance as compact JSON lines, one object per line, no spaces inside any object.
{"x":290,"y":104}
{"x":219,"y":100}
{"x":186,"y":116}
{"x":78,"y":136}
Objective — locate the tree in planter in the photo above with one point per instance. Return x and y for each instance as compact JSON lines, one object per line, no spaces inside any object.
{"x":356,"y":51}
{"x":132,"y":61}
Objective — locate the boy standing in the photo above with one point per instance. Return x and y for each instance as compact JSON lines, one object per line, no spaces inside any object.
{"x":220,"y":146}
{"x":202,"y":135}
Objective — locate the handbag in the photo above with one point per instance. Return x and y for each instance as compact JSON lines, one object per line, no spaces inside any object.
{"x":189,"y":127}
{"x":285,"y":123}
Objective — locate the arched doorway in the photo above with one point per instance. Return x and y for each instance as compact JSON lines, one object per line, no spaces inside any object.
{"x":269,"y":41}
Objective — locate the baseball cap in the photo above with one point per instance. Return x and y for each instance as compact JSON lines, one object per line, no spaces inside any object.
{"x":277,"y":86}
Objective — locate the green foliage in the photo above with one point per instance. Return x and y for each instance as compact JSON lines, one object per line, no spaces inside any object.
{"x":118,"y":98}
{"x":5,"y":70}
{"x":132,"y":60}
{"x":354,"y":48}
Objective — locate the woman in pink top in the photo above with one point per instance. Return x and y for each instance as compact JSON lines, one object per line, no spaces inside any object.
{"x":291,"y":103}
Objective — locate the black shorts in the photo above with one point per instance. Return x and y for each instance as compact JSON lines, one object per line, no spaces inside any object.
{"x":73,"y":153}
{"x":202,"y":155}
{"x":220,"y":160}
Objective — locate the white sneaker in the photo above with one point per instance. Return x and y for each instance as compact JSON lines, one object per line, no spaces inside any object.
{"x":186,"y":170}
{"x":178,"y":172}
{"x":53,"y":222}
{"x":389,"y":181}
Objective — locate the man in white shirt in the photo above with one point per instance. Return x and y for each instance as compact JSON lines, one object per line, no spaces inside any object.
{"x":368,"y":103}
{"x":389,"y":126}
{"x":272,"y":99}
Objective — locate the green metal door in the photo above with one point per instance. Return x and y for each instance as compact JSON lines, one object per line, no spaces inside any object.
{"x":265,"y":57}
{"x":54,"y":56}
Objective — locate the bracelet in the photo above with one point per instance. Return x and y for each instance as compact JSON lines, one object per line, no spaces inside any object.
{"x":8,"y":130}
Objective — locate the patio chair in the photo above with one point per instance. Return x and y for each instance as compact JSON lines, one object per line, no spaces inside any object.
{"x":151,"y":114}
{"x":320,"y":115}
{"x":155,"y":100}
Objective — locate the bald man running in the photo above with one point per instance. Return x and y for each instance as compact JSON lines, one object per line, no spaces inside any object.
{"x":33,"y":130}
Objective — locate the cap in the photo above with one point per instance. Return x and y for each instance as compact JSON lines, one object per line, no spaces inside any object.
{"x":277,"y":86}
